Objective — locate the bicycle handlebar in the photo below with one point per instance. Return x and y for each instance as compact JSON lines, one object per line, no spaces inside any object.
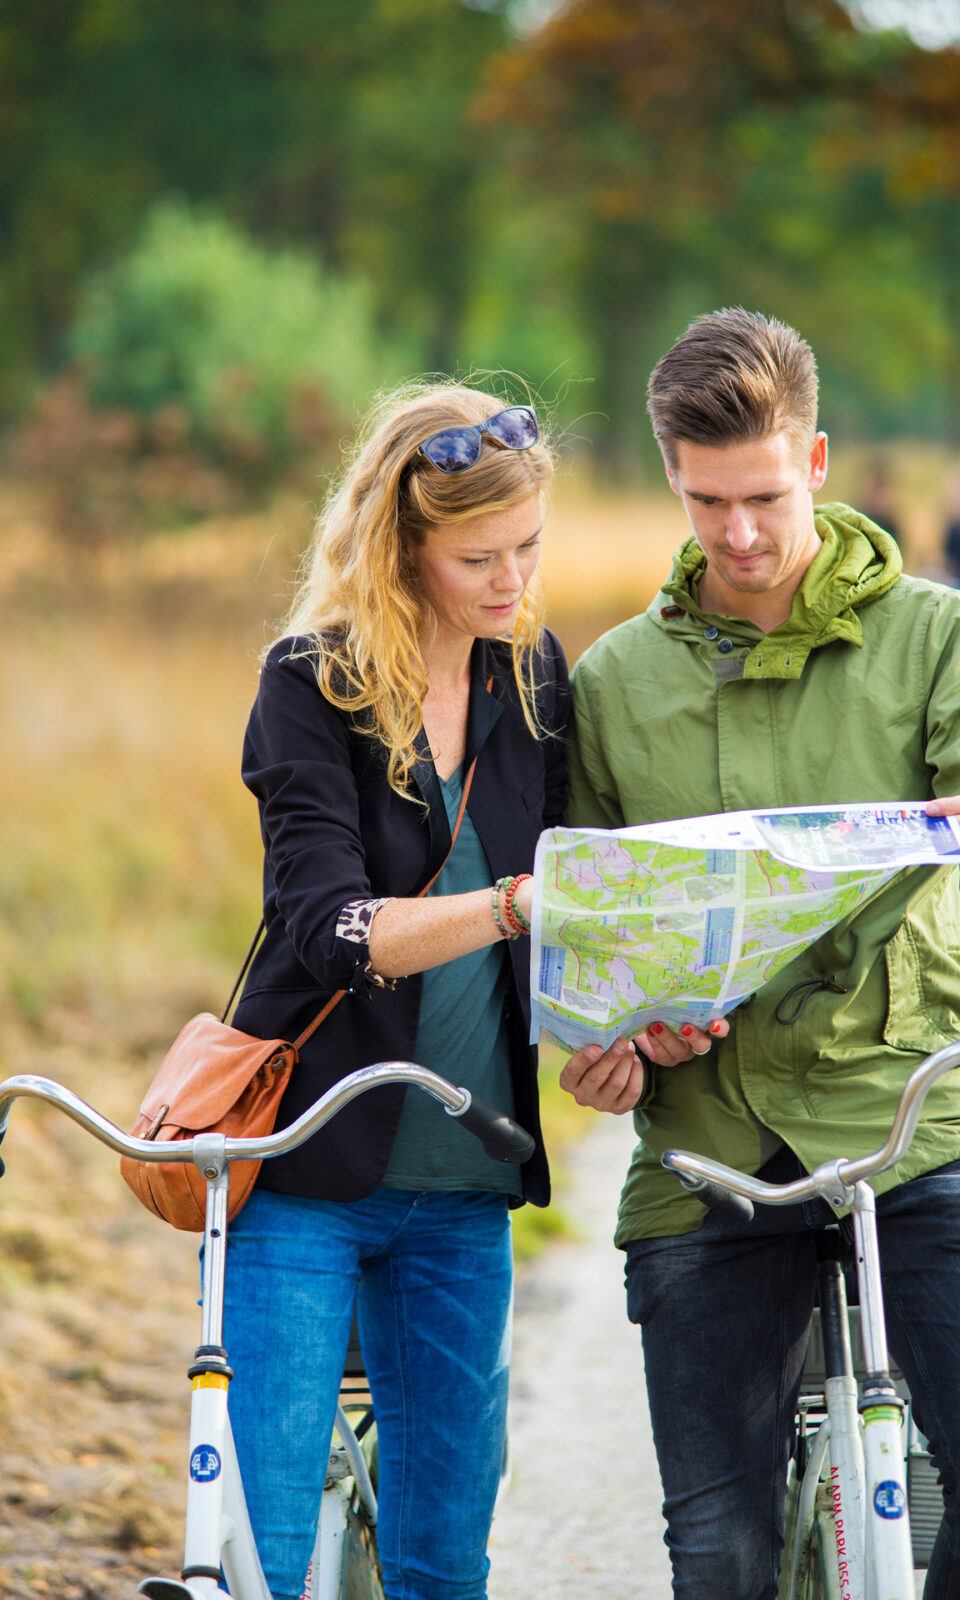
{"x":702,"y":1176}
{"x":503,"y":1139}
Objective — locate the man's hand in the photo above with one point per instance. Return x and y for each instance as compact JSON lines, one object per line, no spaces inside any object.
{"x":612,"y":1080}
{"x":949,"y":806}
{"x":608,"y":1080}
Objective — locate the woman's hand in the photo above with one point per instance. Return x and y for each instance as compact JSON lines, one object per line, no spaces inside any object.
{"x":669,"y":1047}
{"x":612,"y":1080}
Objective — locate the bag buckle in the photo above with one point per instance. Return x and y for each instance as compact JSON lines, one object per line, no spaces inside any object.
{"x":157,"y":1123}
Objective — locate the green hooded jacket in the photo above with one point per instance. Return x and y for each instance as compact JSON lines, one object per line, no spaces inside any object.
{"x":855,"y":697}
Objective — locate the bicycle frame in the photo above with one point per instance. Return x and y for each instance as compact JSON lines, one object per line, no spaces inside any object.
{"x":218,"y":1534}
{"x":218,"y":1531}
{"x":871,"y":1555}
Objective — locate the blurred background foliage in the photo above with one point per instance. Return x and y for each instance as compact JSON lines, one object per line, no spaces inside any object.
{"x":224,"y":226}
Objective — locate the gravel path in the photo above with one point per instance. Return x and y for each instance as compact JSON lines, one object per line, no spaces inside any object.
{"x":582,"y":1516}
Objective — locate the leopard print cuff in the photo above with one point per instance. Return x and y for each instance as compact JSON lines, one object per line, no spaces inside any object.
{"x":354,"y":924}
{"x":356,"y":919}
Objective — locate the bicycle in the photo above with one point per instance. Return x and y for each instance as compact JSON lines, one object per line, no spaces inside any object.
{"x":847,"y":1515}
{"x":218,"y":1539}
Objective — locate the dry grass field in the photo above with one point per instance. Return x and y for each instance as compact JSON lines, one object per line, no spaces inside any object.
{"x":129,"y":881}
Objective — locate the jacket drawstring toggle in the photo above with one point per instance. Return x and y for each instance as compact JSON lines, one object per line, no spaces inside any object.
{"x":804,"y":991}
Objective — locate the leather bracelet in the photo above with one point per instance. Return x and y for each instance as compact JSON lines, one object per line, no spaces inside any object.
{"x":504,"y":931}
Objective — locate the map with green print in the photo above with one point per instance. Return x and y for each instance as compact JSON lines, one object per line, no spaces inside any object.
{"x":680,"y":921}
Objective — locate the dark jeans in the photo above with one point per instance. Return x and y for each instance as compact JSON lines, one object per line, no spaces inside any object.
{"x":725,"y":1314}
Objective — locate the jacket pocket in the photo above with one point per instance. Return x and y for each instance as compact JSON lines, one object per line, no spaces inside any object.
{"x":923,"y":986}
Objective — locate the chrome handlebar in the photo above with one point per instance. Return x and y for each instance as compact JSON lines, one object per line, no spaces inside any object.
{"x":837,"y":1175}
{"x":503,"y":1138}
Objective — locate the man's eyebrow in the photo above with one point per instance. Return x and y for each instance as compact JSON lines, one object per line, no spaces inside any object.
{"x":758,"y":494}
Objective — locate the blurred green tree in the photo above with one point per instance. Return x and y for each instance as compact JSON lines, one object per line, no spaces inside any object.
{"x":563,"y":195}
{"x":728,"y":150}
{"x":339,"y":123}
{"x":261,"y":353}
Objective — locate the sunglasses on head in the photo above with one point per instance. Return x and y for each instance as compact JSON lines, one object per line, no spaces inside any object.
{"x":456,"y":449}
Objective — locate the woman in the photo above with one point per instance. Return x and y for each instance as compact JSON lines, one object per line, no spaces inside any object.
{"x":414,"y":661}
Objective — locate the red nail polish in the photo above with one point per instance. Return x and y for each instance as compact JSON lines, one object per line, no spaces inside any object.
{"x":714,"y":1027}
{"x":686,"y":1030}
{"x":656,"y":1027}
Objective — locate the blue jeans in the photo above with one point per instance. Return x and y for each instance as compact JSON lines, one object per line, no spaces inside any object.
{"x":431,"y":1278}
{"x":725,"y":1314}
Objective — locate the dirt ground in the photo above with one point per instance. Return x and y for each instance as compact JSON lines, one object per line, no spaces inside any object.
{"x":98,"y":1328}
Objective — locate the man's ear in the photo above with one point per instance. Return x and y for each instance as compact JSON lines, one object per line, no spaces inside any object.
{"x":672,"y":478}
{"x":818,"y":463}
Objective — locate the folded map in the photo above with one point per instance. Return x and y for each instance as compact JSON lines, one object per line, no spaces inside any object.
{"x":680,"y":921}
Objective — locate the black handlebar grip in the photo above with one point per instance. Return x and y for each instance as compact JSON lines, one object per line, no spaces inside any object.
{"x":733,"y":1207}
{"x":502,"y":1139}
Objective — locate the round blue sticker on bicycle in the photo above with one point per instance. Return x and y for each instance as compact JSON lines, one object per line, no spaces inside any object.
{"x":889,"y":1500}
{"x":205,"y":1464}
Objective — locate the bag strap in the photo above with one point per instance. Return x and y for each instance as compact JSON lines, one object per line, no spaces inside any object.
{"x":335,"y":999}
{"x":261,"y":929}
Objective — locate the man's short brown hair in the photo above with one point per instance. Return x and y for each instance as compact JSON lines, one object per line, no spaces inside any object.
{"x":734,"y":375}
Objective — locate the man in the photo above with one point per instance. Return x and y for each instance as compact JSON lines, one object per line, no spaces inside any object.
{"x":785,"y":662}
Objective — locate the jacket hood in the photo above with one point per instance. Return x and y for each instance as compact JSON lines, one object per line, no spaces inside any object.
{"x":857,"y":563}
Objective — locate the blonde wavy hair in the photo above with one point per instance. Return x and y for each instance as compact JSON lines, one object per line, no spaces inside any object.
{"x":359,"y":600}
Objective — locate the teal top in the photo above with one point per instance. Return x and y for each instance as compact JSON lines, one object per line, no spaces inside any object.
{"x":462,"y":1034}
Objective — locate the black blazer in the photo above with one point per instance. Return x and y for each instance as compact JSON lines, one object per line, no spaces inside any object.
{"x":334,"y":831}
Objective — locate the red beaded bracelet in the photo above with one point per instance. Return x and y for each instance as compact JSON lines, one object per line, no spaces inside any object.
{"x":504,"y":932}
{"x":515,"y":916}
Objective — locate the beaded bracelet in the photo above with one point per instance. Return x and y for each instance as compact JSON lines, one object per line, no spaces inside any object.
{"x":504,"y":931}
{"x":515,"y":916}
{"x":512,"y":923}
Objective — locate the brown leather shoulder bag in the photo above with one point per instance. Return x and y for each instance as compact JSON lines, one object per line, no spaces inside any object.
{"x":213,"y":1079}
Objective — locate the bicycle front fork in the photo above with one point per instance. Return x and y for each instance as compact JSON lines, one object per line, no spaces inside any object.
{"x":844,"y":1522}
{"x":861,"y":1506}
{"x":218,"y":1528}
{"x":887,"y":1521}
